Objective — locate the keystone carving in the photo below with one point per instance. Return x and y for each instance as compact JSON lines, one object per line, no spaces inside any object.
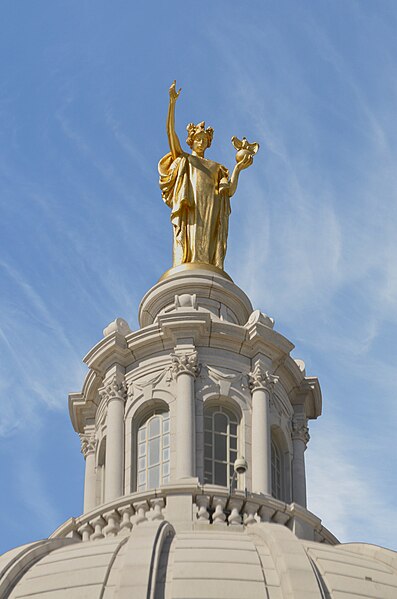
{"x":114,"y":390}
{"x":184,"y":363}
{"x":300,"y":430}
{"x":88,"y":443}
{"x":260,"y":378}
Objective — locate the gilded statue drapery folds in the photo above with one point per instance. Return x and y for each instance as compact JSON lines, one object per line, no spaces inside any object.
{"x":198,"y":192}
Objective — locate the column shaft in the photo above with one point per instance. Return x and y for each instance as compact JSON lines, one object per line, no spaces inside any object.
{"x":261,"y":442}
{"x":114,"y":463}
{"x":185,"y":429}
{"x":298,"y":472}
{"x":89,"y":482}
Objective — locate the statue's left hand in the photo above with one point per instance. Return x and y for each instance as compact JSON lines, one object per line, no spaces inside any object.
{"x":245,"y":162}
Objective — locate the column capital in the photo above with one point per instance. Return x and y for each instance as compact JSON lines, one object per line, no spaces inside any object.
{"x":260,"y":378}
{"x":185,"y":363}
{"x":114,"y":390}
{"x":88,"y":443}
{"x":300,"y":430}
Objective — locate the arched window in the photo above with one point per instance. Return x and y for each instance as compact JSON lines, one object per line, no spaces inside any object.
{"x":220,"y":445}
{"x":276,"y":471}
{"x":153,"y":455}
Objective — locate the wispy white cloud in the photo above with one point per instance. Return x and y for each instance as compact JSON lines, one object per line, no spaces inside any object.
{"x":354,"y":500}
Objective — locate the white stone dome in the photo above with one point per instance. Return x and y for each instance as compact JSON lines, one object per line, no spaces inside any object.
{"x":264,"y":560}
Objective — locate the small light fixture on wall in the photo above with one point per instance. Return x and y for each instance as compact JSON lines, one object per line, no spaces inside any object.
{"x":240,"y":467}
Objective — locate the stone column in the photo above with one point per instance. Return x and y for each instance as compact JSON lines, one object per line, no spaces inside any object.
{"x":115,"y":395}
{"x":88,"y":446}
{"x":300,"y":438}
{"x":261,"y":385}
{"x":184,"y":369}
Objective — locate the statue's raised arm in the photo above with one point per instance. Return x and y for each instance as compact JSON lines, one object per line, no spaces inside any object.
{"x":175,"y":146}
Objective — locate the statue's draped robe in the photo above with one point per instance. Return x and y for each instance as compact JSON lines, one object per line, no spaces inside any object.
{"x":196,"y":190}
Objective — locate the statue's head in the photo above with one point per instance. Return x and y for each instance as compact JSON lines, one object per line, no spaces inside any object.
{"x":199,"y":135}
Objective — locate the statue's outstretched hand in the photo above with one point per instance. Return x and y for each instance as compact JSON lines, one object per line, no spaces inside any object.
{"x":173,"y":93}
{"x":245,"y":162}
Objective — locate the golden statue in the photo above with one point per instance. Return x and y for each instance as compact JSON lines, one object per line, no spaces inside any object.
{"x":198,"y":191}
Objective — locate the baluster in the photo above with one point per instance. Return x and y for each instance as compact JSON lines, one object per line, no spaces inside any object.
{"x":98,"y":523}
{"x":157,"y":505}
{"x":126,"y":512}
{"x":250,"y":509}
{"x":113,"y":523}
{"x":218,"y":517}
{"x":86,"y":531}
{"x":235,"y":508}
{"x":141,"y":507}
{"x":202,"y":502}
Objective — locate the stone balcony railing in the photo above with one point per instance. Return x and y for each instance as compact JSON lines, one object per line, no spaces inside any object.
{"x":211,"y":505}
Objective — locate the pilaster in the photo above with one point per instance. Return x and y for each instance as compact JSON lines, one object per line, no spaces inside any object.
{"x":88,"y":447}
{"x":261,"y":383}
{"x":185,"y":369}
{"x":300,"y":438}
{"x":114,"y":393}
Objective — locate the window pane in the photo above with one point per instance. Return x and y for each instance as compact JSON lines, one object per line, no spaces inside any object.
{"x":208,"y":466}
{"x":220,"y":474}
{"x":154,"y":427}
{"x":141,"y":449}
{"x":166,"y":469}
{"x":220,"y":447}
{"x":233,"y":429}
{"x":154,"y":477}
{"x":142,"y":478}
{"x":166,"y":454}
{"x":166,"y":479}
{"x":154,"y":451}
{"x":166,"y":425}
{"x":141,"y":463}
{"x":142,"y":434}
{"x":220,"y":423}
{"x":166,"y":440}
{"x":233,"y":442}
{"x":208,"y":451}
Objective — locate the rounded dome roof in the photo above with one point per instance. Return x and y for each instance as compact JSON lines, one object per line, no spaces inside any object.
{"x":208,"y":561}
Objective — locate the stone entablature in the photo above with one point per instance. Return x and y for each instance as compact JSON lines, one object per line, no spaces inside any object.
{"x":208,"y":505}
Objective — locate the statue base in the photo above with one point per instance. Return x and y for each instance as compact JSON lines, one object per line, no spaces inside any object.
{"x":194,"y":266}
{"x":192,"y":286}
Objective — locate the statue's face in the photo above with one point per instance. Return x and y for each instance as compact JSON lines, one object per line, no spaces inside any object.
{"x":200,"y":143}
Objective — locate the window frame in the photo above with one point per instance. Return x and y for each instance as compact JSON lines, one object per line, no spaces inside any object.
{"x":144,"y":444}
{"x":232,"y":448}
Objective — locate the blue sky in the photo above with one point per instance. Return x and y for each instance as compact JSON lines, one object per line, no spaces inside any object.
{"x":84,"y":232}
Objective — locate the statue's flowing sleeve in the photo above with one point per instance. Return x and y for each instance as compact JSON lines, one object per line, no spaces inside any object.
{"x":175,"y":188}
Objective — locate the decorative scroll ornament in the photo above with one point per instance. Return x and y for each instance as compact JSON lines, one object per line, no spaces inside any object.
{"x":260,"y":378}
{"x":185,"y":363}
{"x":114,"y":390}
{"x":88,"y":443}
{"x":300,"y":430}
